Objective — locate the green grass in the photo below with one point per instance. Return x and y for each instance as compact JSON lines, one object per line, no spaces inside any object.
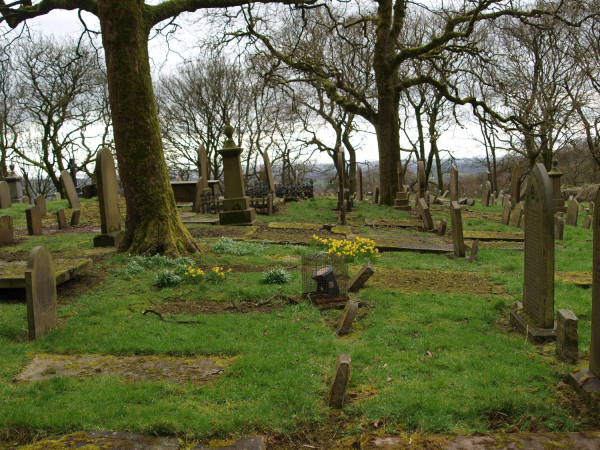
{"x":421,"y":362}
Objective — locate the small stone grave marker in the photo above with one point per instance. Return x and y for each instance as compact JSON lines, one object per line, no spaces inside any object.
{"x":5,"y":200}
{"x":40,"y":202}
{"x":347,"y":318}
{"x":474,"y":251}
{"x":75,"y":217}
{"x":457,"y":230}
{"x":425,"y":215}
{"x":506,"y":212}
{"x":26,"y":199}
{"x":567,"y":337}
{"x":69,"y":187}
{"x":559,"y":224}
{"x":361,"y":277}
{"x":34,"y":221}
{"x":6,"y":230}
{"x":341,"y":378}
{"x":516,"y":215}
{"x":443,"y":226}
{"x":587,"y":222}
{"x":61,"y":219}
{"x":40,"y":287}
{"x":572,"y":213}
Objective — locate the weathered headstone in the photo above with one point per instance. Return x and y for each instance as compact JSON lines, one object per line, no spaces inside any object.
{"x":421,"y":182}
{"x":75,"y":217}
{"x":341,"y":169}
{"x":453,"y":184}
{"x":572,"y":213}
{"x":343,"y":210}
{"x":57,"y":196}
{"x":485,"y":197}
{"x":339,"y":383}
{"x":26,"y":199}
{"x":6,"y":230}
{"x":34,"y":221}
{"x":581,"y":207}
{"x":40,"y":202}
{"x":506,"y":212}
{"x":361,"y":277}
{"x":457,"y":230}
{"x":516,"y":215}
{"x":15,"y":185}
{"x":493,"y":200}
{"x":538,"y":287}
{"x":40,"y":287}
{"x":515,"y":185}
{"x":61,"y":219}
{"x":559,"y":228}
{"x":402,"y":196}
{"x":376,"y":196}
{"x":110,"y":218}
{"x":347,"y":317}
{"x":197,"y":204}
{"x":425,"y":215}
{"x":474,"y":251}
{"x":359,"y":184}
{"x":567,"y":337}
{"x":5,"y":200}
{"x":203,"y":168}
{"x":443,"y":226}
{"x":587,"y":222}
{"x":69,"y":187}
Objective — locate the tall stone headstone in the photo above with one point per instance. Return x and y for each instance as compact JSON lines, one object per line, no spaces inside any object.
{"x":34,"y":221}
{"x":457,"y":230}
{"x":7,"y":235}
{"x":69,"y":187}
{"x":555,"y":174}
{"x":425,"y":215}
{"x":454,"y":184}
{"x":359,"y":184}
{"x":538,"y":287}
{"x":340,"y":166}
{"x":40,"y":287}
{"x":376,"y":196}
{"x":197,"y":204}
{"x":203,"y":168}
{"x":506,"y":212}
{"x":15,"y":185}
{"x":422,"y":180}
{"x":236,"y":206}
{"x":40,"y":202}
{"x":110,"y":217}
{"x":516,"y":215}
{"x":572,"y":213}
{"x":402,"y":196}
{"x":515,"y":185}
{"x":5,"y":200}
{"x":487,"y":192}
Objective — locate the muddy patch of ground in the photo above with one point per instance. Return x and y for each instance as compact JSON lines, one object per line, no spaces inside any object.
{"x":215,"y":307}
{"x":133,"y":368}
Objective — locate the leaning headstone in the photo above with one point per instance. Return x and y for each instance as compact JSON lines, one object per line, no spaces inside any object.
{"x":5,"y":200}
{"x":457,"y":230}
{"x":110,"y":218}
{"x":61,"y":219}
{"x":75,"y":217}
{"x":587,"y":222}
{"x":470,"y":202}
{"x":516,"y":215}
{"x":453,"y":184}
{"x":361,"y":277}
{"x":425,"y":215}
{"x":345,"y":322}
{"x":6,"y":230}
{"x":559,"y":228}
{"x":443,"y":226}
{"x":538,"y":287}
{"x":474,"y":251}
{"x":197,"y":204}
{"x":269,"y":174}
{"x":339,"y":383}
{"x":572,"y":213}
{"x":34,"y":221}
{"x":515,"y":185}
{"x":581,"y":207}
{"x":69,"y":187}
{"x":40,"y":287}
{"x":567,"y":337}
{"x":40,"y":202}
{"x":506,"y":212}
{"x":359,"y":183}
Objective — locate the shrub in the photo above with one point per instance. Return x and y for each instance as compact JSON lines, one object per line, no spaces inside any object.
{"x":277,"y":276}
{"x":138,"y":264}
{"x":167,"y":278}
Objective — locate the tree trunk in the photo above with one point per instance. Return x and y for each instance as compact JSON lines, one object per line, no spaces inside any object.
{"x":153,"y":224}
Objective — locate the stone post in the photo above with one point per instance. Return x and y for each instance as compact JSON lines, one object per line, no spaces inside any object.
{"x":555,"y":174}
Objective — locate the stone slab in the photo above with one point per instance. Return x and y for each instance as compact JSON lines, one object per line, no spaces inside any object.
{"x":494,"y":236}
{"x":5,"y":200}
{"x":61,"y":219}
{"x":525,"y":326}
{"x":34,"y":221}
{"x":75,"y":217}
{"x":108,"y":203}
{"x":295,"y":225}
{"x":12,"y":274}
{"x":587,"y":384}
{"x":567,"y":336}
{"x":113,"y":239}
{"x":40,"y":202}
{"x":201,"y":221}
{"x":340,"y":380}
{"x":361,"y":277}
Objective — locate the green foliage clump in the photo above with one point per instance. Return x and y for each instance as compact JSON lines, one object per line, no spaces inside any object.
{"x":230,"y":247}
{"x":138,"y":264}
{"x":167,"y":278}
{"x":277,"y":276}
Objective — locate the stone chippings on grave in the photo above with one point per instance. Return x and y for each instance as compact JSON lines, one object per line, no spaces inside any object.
{"x":454,"y":184}
{"x":347,"y":317}
{"x":572,"y":213}
{"x":6,"y":230}
{"x":75,"y":217}
{"x":61,"y":219}
{"x":567,"y":337}
{"x":516,"y":215}
{"x":425,"y":215}
{"x":515,"y":185}
{"x":361,"y":277}
{"x":5,"y":200}
{"x":34,"y":221}
{"x":69,"y":187}
{"x":555,"y":174}
{"x":402,"y":201}
{"x":506,"y":212}
{"x":457,"y":230}
{"x":40,"y":202}
{"x":538,"y":287}
{"x":110,"y":217}
{"x":339,"y":383}
{"x":559,"y":228}
{"x":40,"y":287}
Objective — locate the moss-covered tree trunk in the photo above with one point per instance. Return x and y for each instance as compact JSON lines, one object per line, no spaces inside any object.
{"x":152,"y":224}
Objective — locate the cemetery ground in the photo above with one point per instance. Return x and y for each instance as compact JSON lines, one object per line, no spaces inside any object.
{"x":224,"y":355}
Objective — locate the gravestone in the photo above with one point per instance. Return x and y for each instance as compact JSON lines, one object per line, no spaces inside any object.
{"x":567,"y":337}
{"x":474,"y":251}
{"x":40,"y":288}
{"x":592,"y":205}
{"x":506,"y":212}
{"x":425,"y":215}
{"x":538,"y":286}
{"x":269,"y":175}
{"x":587,"y":222}
{"x":61,"y":218}
{"x":5,"y":200}
{"x":343,"y":211}
{"x":57,"y":196}
{"x":559,"y":225}
{"x":361,"y":277}
{"x":348,"y":199}
{"x":515,"y":185}
{"x":339,"y":383}
{"x":69,"y":188}
{"x":457,"y":230}
{"x":26,"y":199}
{"x":493,"y":200}
{"x":555,"y":174}
{"x":40,"y":202}
{"x":15,"y":185}
{"x":443,"y":226}
{"x":376,"y":196}
{"x":34,"y":221}
{"x":485,"y":196}
{"x":203,"y":168}
{"x":75,"y":217}
{"x":572,"y":213}
{"x":110,"y":218}
{"x":402,"y":196}
{"x":197,"y":205}
{"x":345,"y":322}
{"x":516,"y":215}
{"x":359,"y":183}
{"x":340,"y":165}
{"x":581,"y":207}
{"x":178,"y":178}
{"x":453,"y":184}
{"x":422,"y":182}
{"x":6,"y":230}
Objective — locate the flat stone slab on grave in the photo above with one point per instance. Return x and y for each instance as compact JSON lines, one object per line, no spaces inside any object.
{"x":492,"y":217}
{"x":583,"y":279}
{"x":523,"y":324}
{"x":133,"y":368}
{"x":200,"y":220}
{"x":411,"y":244}
{"x":12,"y":274}
{"x":341,"y":229}
{"x":497,"y":245}
{"x":295,"y":226}
{"x":494,"y":236}
{"x":438,"y":281}
{"x":397,"y":223}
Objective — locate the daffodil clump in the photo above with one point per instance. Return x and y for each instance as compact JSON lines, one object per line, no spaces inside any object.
{"x":196,"y":275}
{"x":349,"y":249}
